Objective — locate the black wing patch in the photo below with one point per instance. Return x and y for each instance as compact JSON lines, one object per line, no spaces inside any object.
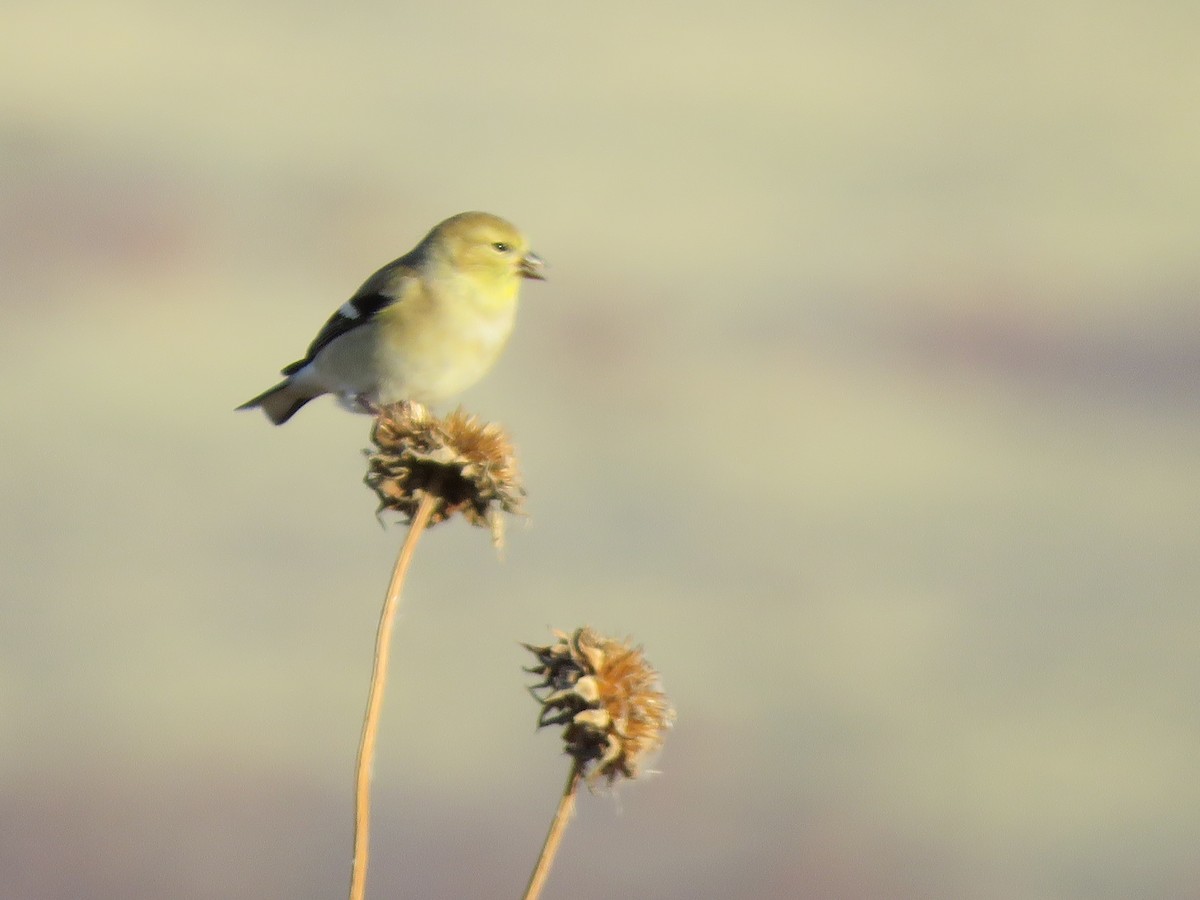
{"x":365,"y":307}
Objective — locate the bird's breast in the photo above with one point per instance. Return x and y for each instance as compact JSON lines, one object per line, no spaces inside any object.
{"x":442,"y":346}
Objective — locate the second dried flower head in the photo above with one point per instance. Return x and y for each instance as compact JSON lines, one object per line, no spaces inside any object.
{"x":608,"y":698}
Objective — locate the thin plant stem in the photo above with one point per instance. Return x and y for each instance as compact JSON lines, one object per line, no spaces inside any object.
{"x":370,"y":730}
{"x":566,"y":807}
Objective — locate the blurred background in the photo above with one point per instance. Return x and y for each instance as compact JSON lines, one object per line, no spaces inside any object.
{"x":863,"y":394}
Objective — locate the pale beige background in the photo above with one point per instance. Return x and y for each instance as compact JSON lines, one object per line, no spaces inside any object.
{"x":864,"y":394}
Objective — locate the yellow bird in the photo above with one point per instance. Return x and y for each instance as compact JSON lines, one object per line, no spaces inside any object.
{"x":422,"y":329}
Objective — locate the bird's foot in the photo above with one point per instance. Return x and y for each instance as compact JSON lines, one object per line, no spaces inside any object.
{"x":366,"y":404}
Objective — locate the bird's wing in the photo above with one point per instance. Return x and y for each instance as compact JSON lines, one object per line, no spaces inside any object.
{"x":381,"y":290}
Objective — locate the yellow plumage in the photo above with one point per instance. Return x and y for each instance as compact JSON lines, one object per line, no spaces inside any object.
{"x":423,"y":328}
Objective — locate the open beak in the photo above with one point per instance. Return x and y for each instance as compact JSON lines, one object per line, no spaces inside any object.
{"x":533,"y":267}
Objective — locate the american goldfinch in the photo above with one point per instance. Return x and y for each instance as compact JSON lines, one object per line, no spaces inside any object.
{"x":423,"y":328}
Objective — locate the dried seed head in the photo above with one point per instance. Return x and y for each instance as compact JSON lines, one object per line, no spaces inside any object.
{"x":469,"y":465}
{"x":607,"y":696}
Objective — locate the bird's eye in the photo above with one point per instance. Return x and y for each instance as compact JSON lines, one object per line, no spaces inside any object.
{"x":501,"y":247}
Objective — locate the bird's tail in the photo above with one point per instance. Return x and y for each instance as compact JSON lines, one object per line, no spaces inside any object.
{"x":281,"y":402}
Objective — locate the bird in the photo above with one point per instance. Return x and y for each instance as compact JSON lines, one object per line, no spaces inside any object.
{"x":422,"y":329}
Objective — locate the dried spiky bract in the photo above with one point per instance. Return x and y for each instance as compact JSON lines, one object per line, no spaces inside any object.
{"x":469,"y":465}
{"x":607,"y":696}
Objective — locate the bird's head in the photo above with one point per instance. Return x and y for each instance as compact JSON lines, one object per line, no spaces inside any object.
{"x":486,"y":247}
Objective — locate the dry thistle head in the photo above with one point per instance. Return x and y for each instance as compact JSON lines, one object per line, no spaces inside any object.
{"x":607,"y":696}
{"x":469,"y":465}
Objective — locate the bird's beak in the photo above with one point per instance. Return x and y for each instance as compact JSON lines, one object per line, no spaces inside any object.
{"x":533,"y":267}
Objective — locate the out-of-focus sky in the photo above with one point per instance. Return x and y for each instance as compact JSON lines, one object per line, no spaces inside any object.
{"x":863,"y":394}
